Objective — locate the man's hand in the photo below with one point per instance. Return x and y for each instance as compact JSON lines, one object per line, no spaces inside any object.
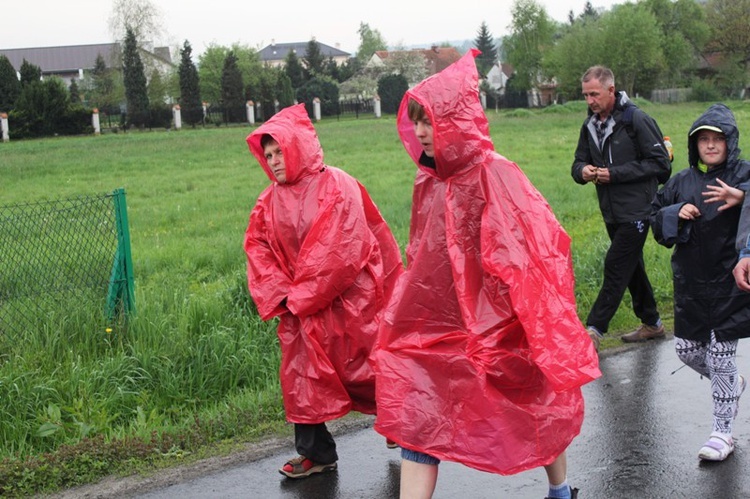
{"x":741,"y":274}
{"x":589,"y":173}
{"x":731,"y":196}
{"x":602,"y":176}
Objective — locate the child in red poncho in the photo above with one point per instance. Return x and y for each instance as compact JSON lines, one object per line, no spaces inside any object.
{"x":322,"y":259}
{"x":481,"y":352}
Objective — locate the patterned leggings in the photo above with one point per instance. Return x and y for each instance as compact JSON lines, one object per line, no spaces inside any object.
{"x":716,"y":361}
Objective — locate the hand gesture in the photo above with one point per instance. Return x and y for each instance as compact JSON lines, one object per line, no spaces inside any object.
{"x":731,"y":196}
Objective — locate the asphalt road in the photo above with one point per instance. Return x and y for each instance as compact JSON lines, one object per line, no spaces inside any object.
{"x":644,"y":425}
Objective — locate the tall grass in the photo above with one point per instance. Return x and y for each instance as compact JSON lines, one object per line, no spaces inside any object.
{"x":196,"y":350}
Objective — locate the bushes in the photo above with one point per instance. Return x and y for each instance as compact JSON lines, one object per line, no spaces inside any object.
{"x":323,"y":88}
{"x":391,"y":89}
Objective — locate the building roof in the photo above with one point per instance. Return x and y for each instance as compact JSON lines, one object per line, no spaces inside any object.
{"x":436,"y":58}
{"x":279,"y":51}
{"x":71,"y":58}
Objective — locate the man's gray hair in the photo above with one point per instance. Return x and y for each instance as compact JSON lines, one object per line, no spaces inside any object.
{"x":602,"y":74}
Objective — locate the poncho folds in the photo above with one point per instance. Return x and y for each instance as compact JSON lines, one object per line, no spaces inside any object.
{"x":319,"y":242}
{"x":482,"y":353}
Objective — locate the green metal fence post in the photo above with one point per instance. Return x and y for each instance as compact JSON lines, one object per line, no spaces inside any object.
{"x":121,"y":284}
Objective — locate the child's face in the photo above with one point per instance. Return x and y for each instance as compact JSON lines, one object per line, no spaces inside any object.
{"x":712,"y":148}
{"x":423,"y":129}
{"x":275,"y":160}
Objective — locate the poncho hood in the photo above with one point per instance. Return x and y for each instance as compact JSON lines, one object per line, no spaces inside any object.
{"x":460,"y":130}
{"x":721,"y":117}
{"x":292,"y":129}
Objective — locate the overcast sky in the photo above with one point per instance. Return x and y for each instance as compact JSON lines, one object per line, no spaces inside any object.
{"x":44,"y":23}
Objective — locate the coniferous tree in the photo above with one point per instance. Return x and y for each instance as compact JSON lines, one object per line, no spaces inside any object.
{"x":190,"y":96}
{"x":29,"y":73}
{"x":134,"y":78}
{"x":294,"y":70}
{"x":266,"y":93}
{"x":10,"y":87}
{"x":75,"y":95}
{"x":103,"y":94}
{"x":486,"y":45}
{"x":314,"y":59}
{"x":284,"y":90}
{"x":232,"y":98}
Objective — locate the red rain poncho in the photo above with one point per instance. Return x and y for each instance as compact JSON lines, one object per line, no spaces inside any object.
{"x":319,"y":241}
{"x":481,"y":353}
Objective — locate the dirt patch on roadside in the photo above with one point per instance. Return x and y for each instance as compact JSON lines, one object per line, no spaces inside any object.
{"x":134,"y":485}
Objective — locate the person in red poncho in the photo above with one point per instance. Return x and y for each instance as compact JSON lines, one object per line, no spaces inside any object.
{"x":481,"y":354}
{"x":321,"y":258}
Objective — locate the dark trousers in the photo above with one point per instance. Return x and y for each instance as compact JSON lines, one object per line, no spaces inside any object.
{"x":624,"y":269}
{"x":315,"y":442}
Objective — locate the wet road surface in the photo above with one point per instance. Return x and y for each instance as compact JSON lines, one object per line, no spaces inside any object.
{"x":640,"y":438}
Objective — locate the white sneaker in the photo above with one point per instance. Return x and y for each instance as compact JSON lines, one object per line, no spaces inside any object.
{"x":717,"y":447}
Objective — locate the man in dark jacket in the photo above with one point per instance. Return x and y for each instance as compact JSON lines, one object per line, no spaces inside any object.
{"x":622,"y":151}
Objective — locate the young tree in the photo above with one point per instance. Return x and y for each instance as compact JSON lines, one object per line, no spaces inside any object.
{"x":191,"y":106}
{"x":370,"y":41}
{"x":10,"y":87}
{"x":411,"y":64}
{"x":284,"y":91}
{"x":142,"y":17}
{"x":485,"y":43}
{"x":104,"y":91}
{"x":134,"y":78}
{"x":267,"y":92}
{"x":531,"y":35}
{"x":314,"y":59}
{"x":684,"y":35}
{"x":232,"y":87}
{"x":729,"y":21}
{"x":29,"y":73}
{"x":157,"y":90}
{"x":294,"y":70}
{"x":75,"y":95}
{"x":211,"y":66}
{"x":632,"y":43}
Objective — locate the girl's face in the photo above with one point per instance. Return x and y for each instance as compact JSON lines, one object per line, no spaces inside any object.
{"x":712,"y":148}
{"x":423,"y":129}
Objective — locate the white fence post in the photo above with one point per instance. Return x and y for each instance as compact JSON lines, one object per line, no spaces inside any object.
{"x":376,"y":106}
{"x":4,"y":126}
{"x":483,"y":98}
{"x":95,"y":122}
{"x":177,"y":115}
{"x":250,"y":108}
{"x":316,"y":108}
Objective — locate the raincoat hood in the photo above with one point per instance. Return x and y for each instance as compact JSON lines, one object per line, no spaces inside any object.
{"x":459,"y":124}
{"x":292,"y":129}
{"x":721,"y":117}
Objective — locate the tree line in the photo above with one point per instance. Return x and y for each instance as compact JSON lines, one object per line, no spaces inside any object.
{"x":649,"y":44}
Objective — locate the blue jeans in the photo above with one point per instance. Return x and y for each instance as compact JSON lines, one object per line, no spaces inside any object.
{"x":418,"y":457}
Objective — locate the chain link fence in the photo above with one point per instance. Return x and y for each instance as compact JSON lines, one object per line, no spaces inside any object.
{"x":57,"y":254}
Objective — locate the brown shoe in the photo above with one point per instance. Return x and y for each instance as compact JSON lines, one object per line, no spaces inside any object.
{"x":644,"y":333}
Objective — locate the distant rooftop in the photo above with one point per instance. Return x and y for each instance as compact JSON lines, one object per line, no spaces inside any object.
{"x":279,"y":51}
{"x":72,"y":57}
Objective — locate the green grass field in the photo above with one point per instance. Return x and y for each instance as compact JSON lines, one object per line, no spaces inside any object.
{"x":196,"y":366}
